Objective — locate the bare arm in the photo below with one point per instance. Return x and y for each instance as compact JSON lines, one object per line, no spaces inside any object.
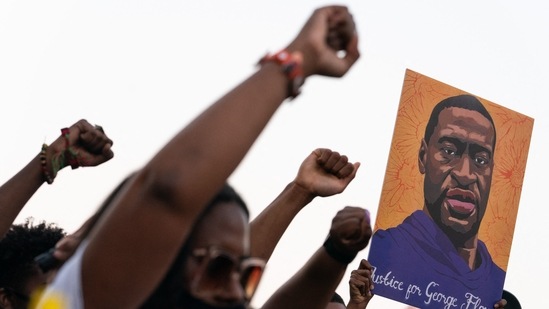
{"x":143,"y":231}
{"x":93,"y":148}
{"x":17,"y":191}
{"x":66,"y":247}
{"x":314,"y":284}
{"x":303,"y":289}
{"x":323,"y":173}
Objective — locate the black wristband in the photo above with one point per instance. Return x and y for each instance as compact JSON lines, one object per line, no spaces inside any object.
{"x":343,"y":258}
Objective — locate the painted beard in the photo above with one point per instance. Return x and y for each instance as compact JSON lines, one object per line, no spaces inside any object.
{"x":435,"y":211}
{"x":188,"y":301}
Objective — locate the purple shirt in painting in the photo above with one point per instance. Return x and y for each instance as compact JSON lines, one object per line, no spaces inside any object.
{"x":416,"y":263}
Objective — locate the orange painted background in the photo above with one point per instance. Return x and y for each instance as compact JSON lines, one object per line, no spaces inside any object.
{"x":402,"y":191}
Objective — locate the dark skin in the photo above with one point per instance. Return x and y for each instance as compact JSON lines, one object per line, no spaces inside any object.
{"x":225,"y":227}
{"x":160,"y":204}
{"x":323,"y":173}
{"x":314,"y":284}
{"x":18,"y":298}
{"x":360,"y":286}
{"x":457,"y":162}
{"x":93,"y":148}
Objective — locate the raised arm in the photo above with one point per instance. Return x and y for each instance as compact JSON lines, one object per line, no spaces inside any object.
{"x":360,"y":286}
{"x":82,"y":145}
{"x":315,"y":283}
{"x":144,"y":230}
{"x":323,"y":173}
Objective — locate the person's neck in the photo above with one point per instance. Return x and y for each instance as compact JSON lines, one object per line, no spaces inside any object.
{"x":466,"y":248}
{"x":469,"y":255}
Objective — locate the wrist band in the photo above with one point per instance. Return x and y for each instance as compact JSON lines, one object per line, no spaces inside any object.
{"x":45,"y":173}
{"x":292,"y":66}
{"x":343,"y":258}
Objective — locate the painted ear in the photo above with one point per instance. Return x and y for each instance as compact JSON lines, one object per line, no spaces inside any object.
{"x":422,"y":156}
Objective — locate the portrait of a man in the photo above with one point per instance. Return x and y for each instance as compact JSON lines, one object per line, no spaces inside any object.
{"x":434,"y":257}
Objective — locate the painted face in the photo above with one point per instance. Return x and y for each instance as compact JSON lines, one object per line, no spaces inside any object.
{"x":218,"y":266}
{"x":457,"y":162}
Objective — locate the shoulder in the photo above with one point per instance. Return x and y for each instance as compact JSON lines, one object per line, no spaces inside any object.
{"x":411,"y":220}
{"x":495,"y":270}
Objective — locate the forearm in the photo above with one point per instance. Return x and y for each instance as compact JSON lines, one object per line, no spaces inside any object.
{"x":312,"y":286}
{"x":17,"y":191}
{"x":210,"y":148}
{"x":172,"y":189}
{"x":269,"y":226}
{"x":355,"y":305}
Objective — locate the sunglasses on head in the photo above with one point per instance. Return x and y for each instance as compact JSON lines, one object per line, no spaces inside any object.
{"x":218,"y":267}
{"x":47,"y":261}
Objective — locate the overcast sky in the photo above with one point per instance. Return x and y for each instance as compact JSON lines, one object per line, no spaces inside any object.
{"x":143,"y":69}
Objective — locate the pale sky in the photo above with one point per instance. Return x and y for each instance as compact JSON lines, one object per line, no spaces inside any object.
{"x":143,"y":69}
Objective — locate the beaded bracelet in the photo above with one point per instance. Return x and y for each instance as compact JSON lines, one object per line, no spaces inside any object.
{"x":339,"y":256}
{"x":45,"y":172}
{"x":292,"y":66}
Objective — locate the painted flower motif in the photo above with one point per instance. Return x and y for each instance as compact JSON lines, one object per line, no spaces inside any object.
{"x":401,"y":192}
{"x":511,"y":126}
{"x":419,"y":95}
{"x":409,"y":131}
{"x":513,"y":134}
{"x":497,"y":234}
{"x":509,"y":169}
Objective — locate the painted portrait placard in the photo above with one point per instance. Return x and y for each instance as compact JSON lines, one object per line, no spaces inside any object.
{"x":450,"y":197}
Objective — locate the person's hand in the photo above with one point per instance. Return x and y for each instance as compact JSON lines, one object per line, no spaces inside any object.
{"x":328,"y":32}
{"x":501,"y":304}
{"x":351,"y":230}
{"x":86,"y":144}
{"x":325,"y":172}
{"x":360,"y":285}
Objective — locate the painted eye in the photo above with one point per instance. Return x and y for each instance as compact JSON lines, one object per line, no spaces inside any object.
{"x":449,"y":151}
{"x":481,"y":160}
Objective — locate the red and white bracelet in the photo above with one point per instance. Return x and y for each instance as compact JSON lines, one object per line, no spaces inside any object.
{"x":292,"y":66}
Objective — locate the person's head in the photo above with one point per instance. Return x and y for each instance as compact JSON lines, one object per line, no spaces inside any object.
{"x":213,"y":268}
{"x":336,"y":302}
{"x":52,"y":260}
{"x":457,"y":158}
{"x":20,"y":275}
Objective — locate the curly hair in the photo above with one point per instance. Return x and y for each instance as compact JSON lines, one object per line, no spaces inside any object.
{"x":21,"y":244}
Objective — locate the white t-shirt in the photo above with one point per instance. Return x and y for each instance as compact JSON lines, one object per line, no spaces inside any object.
{"x":65,"y":292}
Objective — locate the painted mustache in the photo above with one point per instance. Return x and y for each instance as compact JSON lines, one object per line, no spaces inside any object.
{"x":461,"y":202}
{"x":461,"y":194}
